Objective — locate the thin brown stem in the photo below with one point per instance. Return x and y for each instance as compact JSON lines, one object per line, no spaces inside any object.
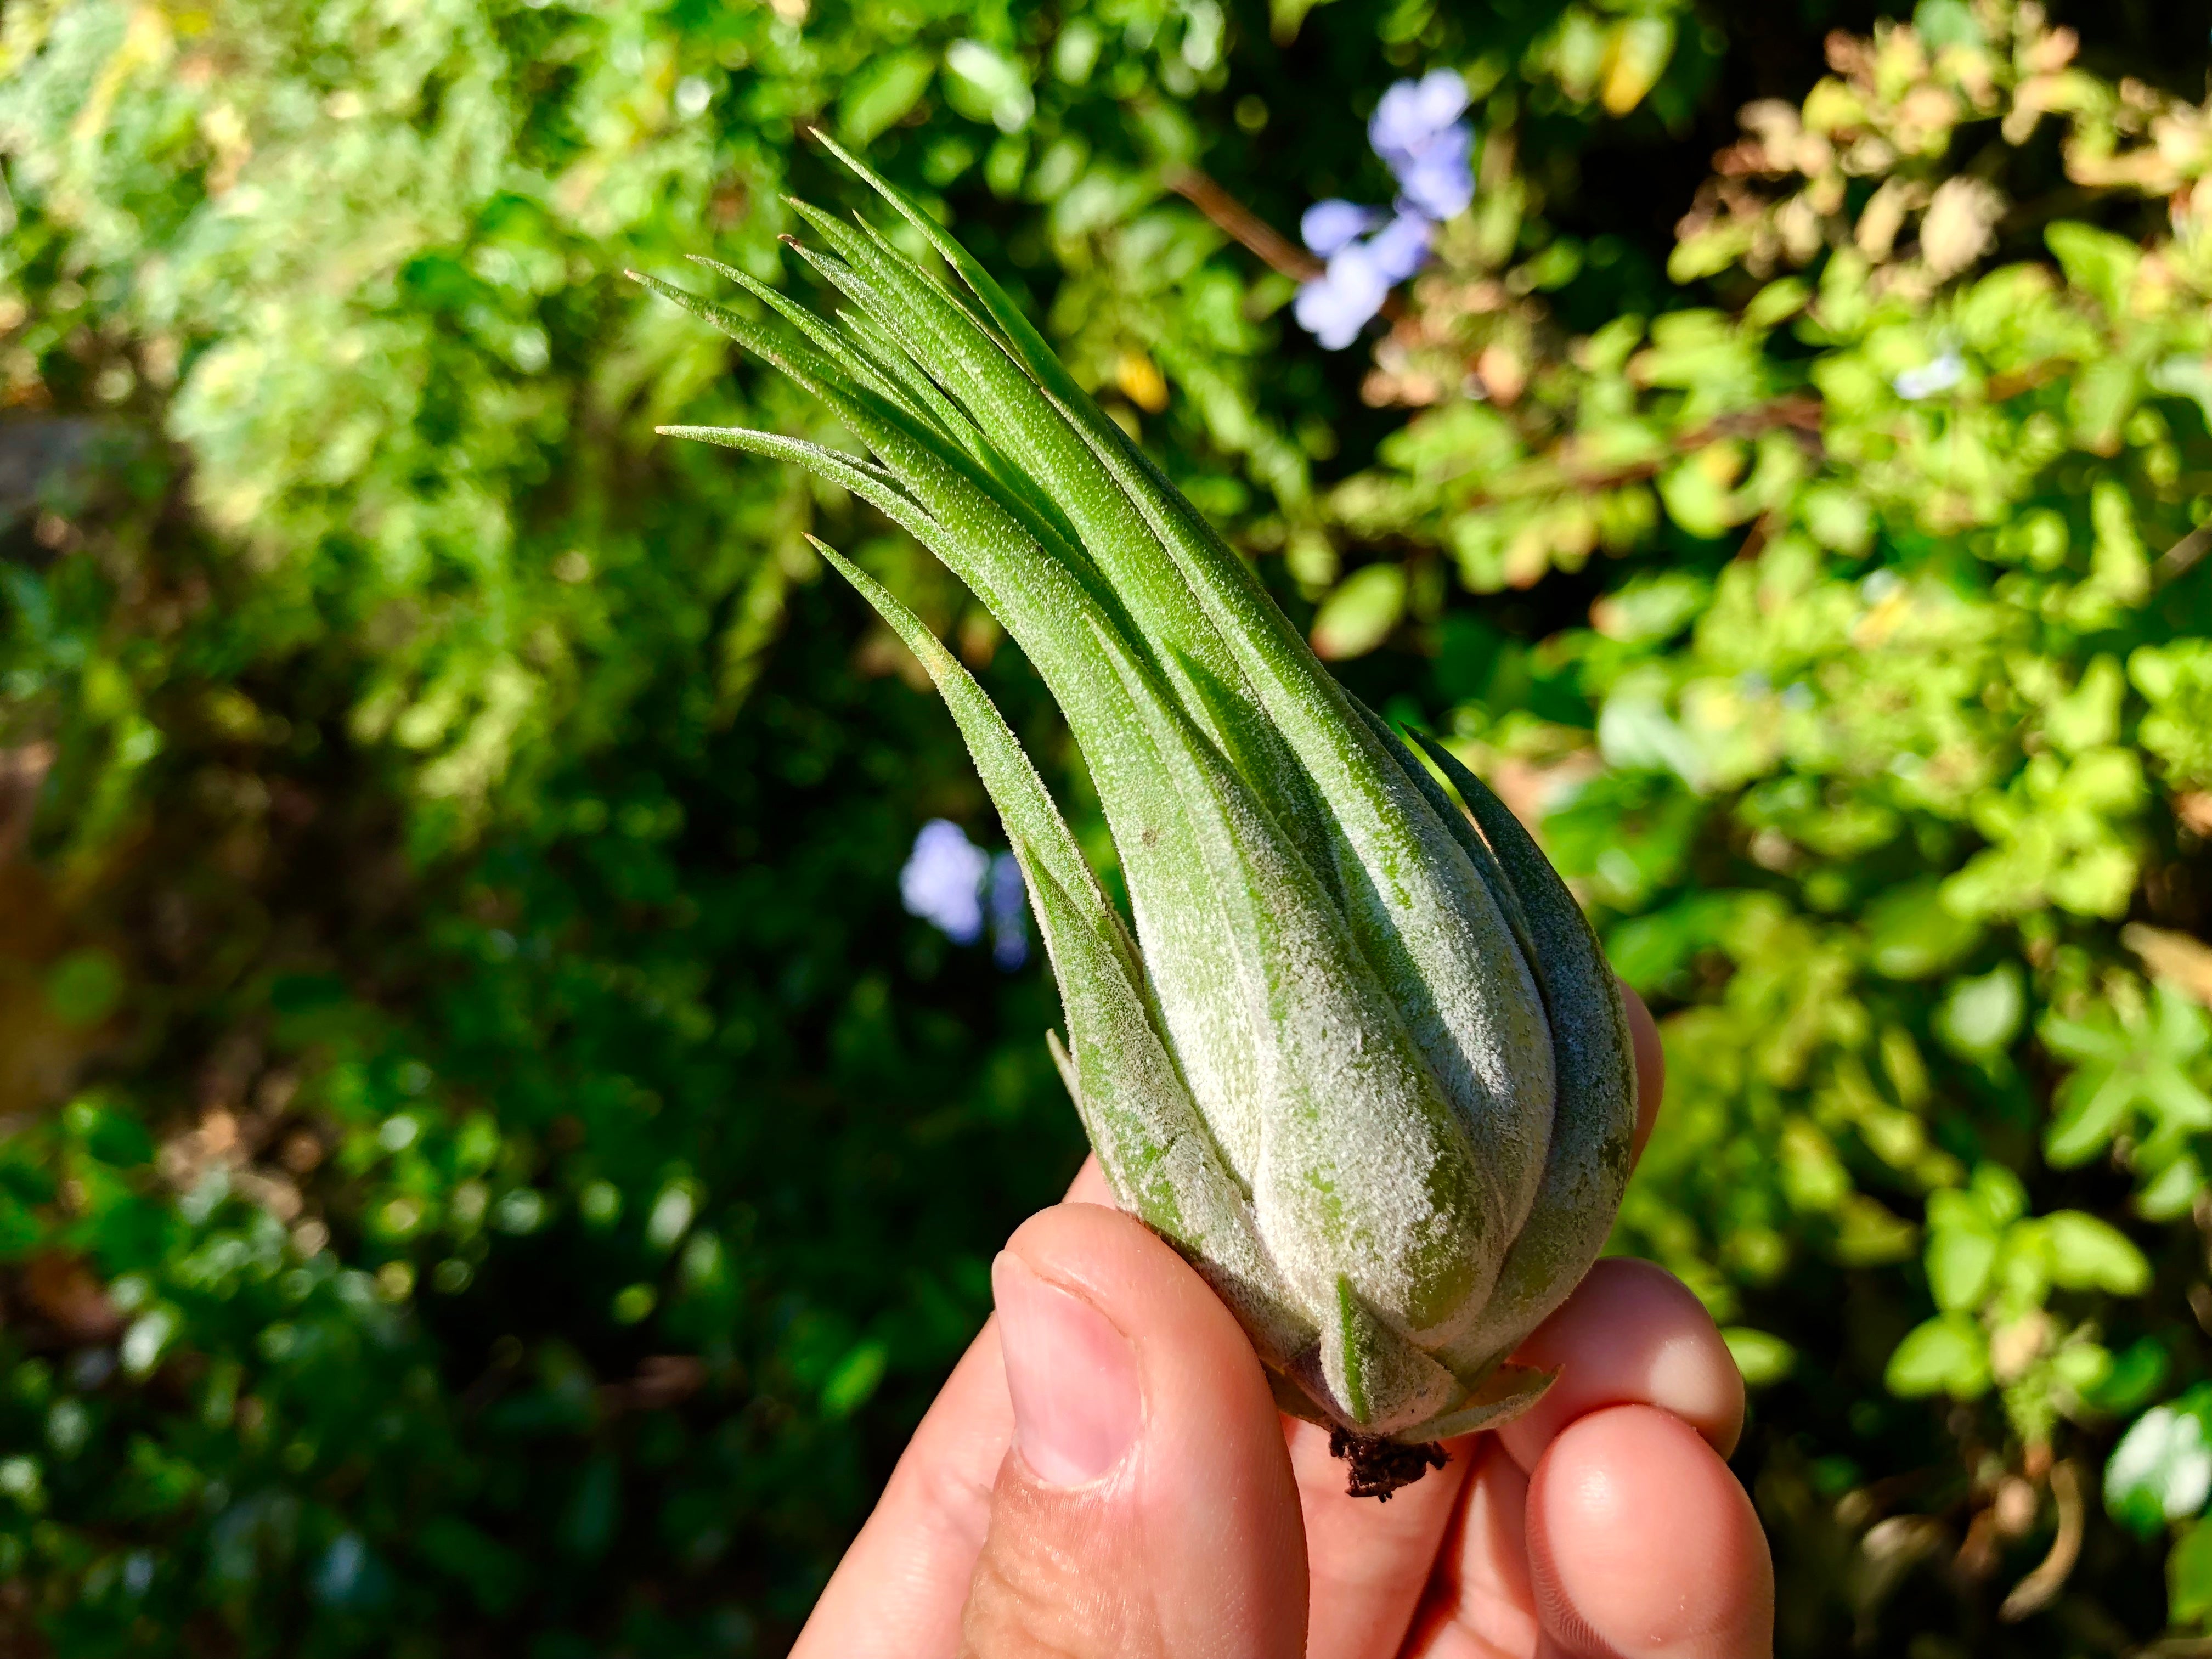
{"x":2036,"y":1591}
{"x":1277,"y":249}
{"x":2177,"y":559}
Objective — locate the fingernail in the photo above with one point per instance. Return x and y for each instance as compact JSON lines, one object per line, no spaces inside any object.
{"x":1072,"y":1376}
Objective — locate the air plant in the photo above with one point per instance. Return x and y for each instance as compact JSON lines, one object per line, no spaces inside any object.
{"x":1362,"y":1062}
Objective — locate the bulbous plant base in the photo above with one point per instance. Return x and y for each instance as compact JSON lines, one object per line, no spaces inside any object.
{"x":1378,"y":1466}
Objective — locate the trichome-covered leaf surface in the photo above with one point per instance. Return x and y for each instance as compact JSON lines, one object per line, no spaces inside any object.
{"x":1362,"y":1062}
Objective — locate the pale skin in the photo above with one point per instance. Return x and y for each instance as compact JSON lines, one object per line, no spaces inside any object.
{"x":1105,"y":1474}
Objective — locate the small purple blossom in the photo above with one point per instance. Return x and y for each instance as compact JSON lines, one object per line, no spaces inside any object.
{"x":1415,"y":113}
{"x":1438,"y":179}
{"x":1418,"y":132}
{"x":1335,"y":306}
{"x":943,"y":881}
{"x":1009,"y":912}
{"x":958,"y":889}
{"x":1401,"y":247}
{"x":1329,"y":226}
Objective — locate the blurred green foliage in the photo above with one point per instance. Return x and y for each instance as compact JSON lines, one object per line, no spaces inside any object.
{"x":488,"y":1167}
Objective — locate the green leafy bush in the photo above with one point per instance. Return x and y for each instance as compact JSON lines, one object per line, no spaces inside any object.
{"x":1894,"y":724}
{"x":489,"y":1167}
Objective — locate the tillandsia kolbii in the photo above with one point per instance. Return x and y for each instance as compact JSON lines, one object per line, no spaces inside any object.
{"x":1363,"y":1061}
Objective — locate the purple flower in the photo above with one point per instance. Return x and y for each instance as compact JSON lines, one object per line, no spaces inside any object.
{"x":1335,"y":306}
{"x":1439,"y":181}
{"x":1412,"y":113}
{"x":1328,"y":225}
{"x":943,"y":881}
{"x":1416,"y":128}
{"x":1009,"y":912}
{"x":1400,"y":247}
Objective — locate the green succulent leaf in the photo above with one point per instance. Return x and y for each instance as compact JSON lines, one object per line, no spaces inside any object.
{"x":1363,"y":1061}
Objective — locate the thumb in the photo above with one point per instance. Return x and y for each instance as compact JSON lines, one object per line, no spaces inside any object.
{"x":1145,"y":1509}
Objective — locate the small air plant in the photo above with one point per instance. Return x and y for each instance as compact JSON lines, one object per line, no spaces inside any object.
{"x":1362,"y":1063}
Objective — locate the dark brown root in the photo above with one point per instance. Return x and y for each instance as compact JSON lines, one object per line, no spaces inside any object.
{"x":1378,"y":1466}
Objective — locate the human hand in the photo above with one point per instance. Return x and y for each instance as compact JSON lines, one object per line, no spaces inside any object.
{"x":1105,"y":1476}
